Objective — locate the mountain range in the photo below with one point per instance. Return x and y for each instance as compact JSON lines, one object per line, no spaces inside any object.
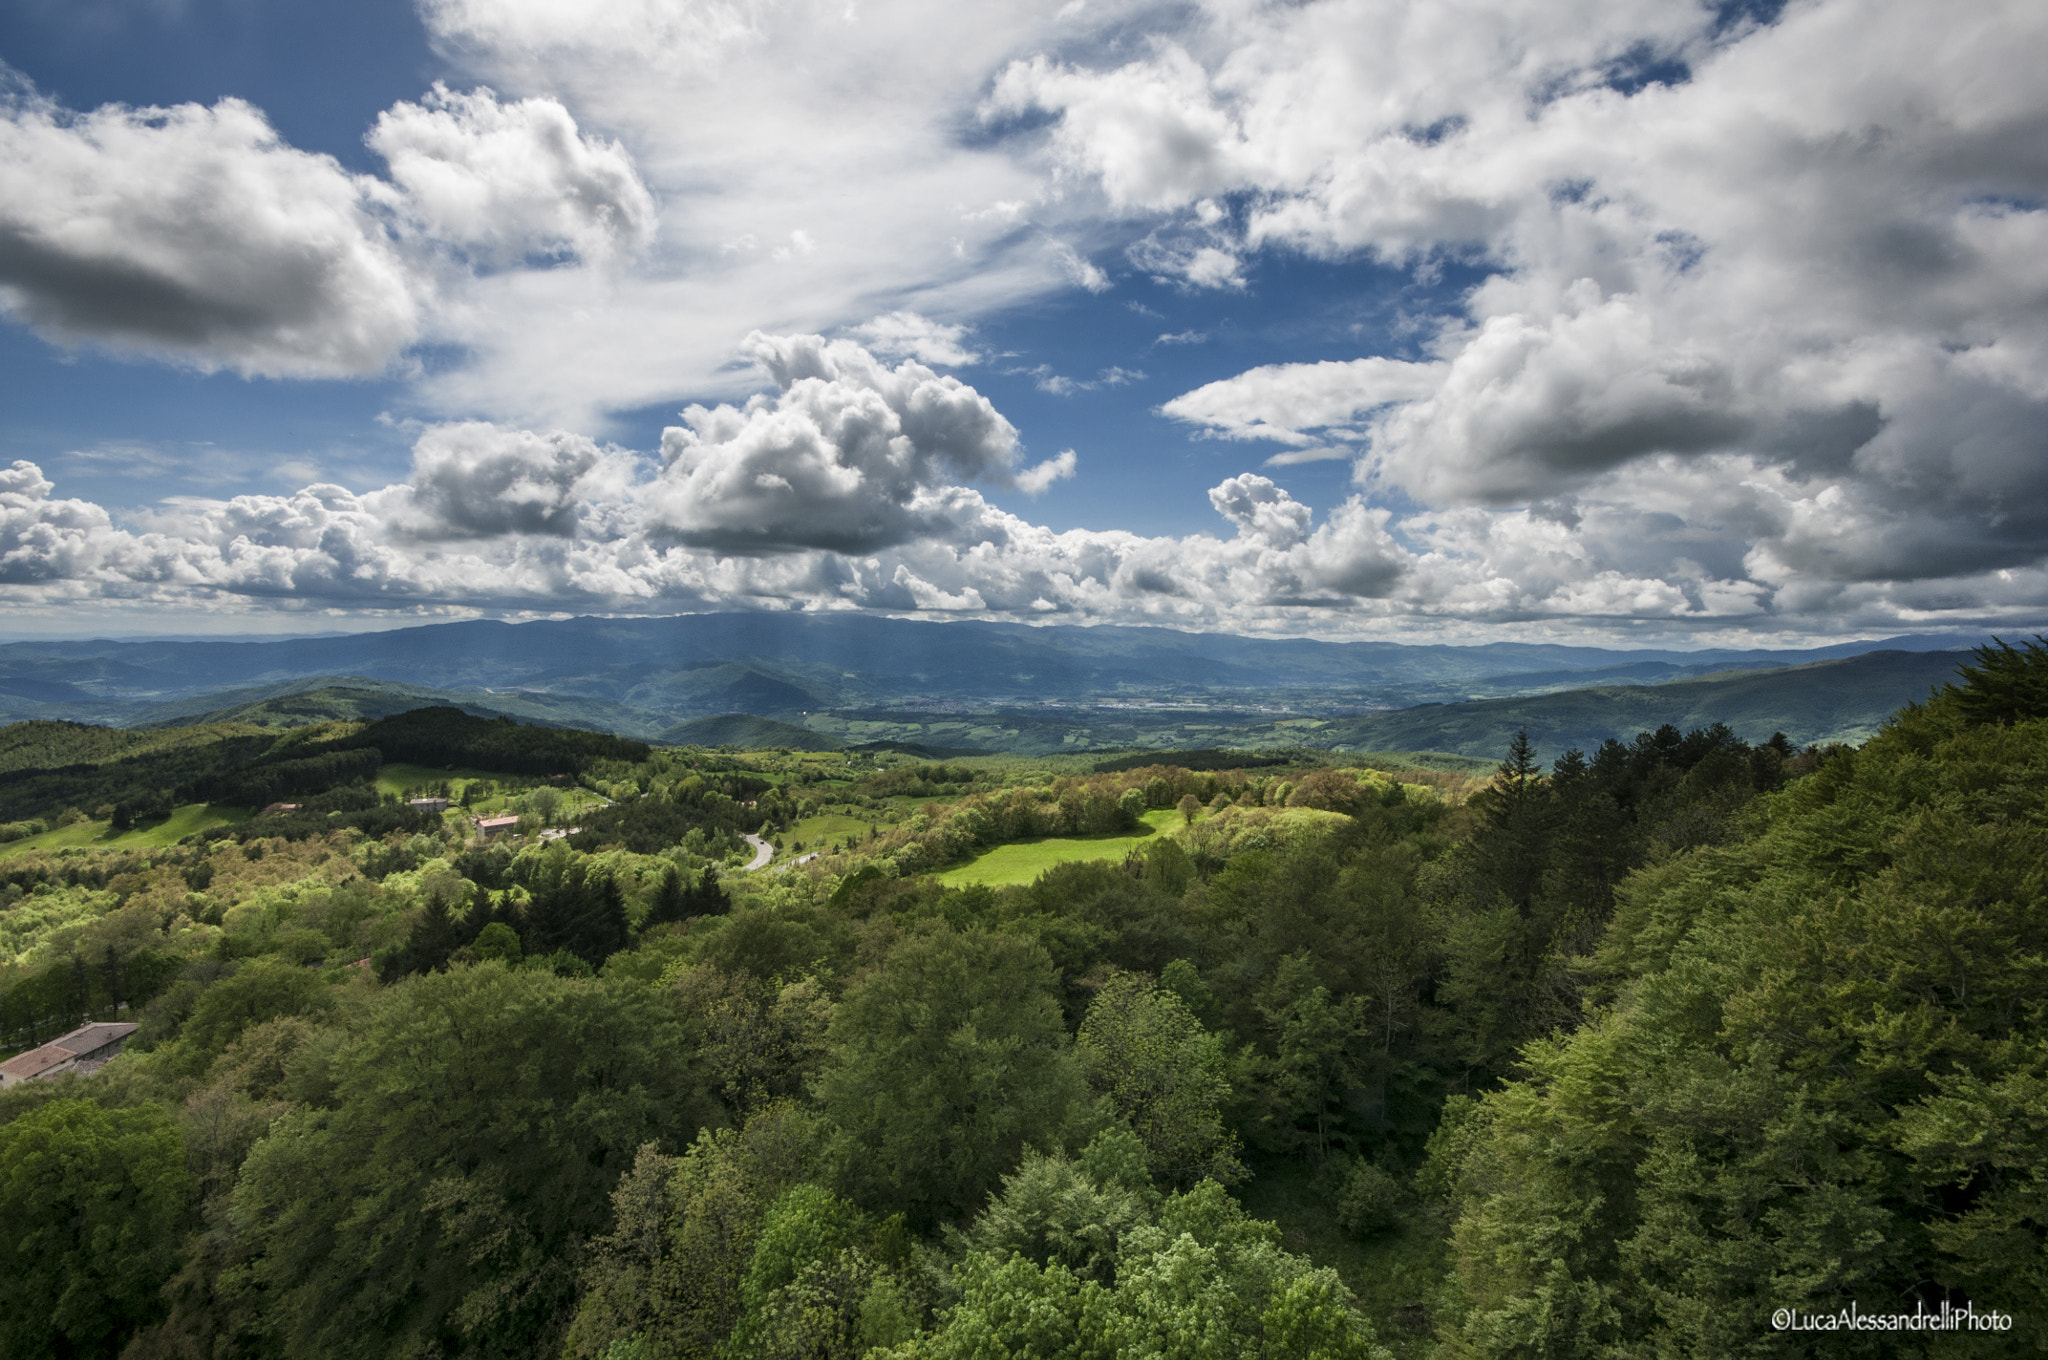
{"x":973,"y":685}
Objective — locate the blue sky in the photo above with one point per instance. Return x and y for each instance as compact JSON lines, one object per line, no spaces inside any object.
{"x":1592,"y":322}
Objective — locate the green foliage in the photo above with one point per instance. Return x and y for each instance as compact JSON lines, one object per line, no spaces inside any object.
{"x":497,"y":941}
{"x":1197,"y":1280}
{"x":1164,"y":1076}
{"x":448,"y":737}
{"x":575,"y":907}
{"x":1073,"y":1213}
{"x":667,"y":1280}
{"x":946,"y":1062}
{"x":1664,"y":1034}
{"x":55,"y":765}
{"x":92,"y":1201}
{"x":474,"y":1129}
{"x":760,"y":1043}
{"x":268,"y":781}
{"x":1370,"y":1200}
{"x":2006,"y":685}
{"x":1812,"y":1083}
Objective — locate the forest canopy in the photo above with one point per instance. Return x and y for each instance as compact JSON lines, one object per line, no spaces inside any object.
{"x":1621,"y":1055}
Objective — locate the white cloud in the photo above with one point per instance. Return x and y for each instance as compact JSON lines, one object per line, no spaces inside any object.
{"x":750,"y":123}
{"x":1036,"y":479}
{"x":1259,"y":508}
{"x":849,"y":456}
{"x":503,"y":182}
{"x":1150,"y":132}
{"x":478,"y":480}
{"x":1766,"y":346}
{"x":1285,"y":402}
{"x":1818,"y":265}
{"x":906,"y":335}
{"x":196,"y":235}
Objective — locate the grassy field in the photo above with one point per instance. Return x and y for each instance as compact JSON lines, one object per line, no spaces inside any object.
{"x":826,"y":827}
{"x":397,"y":777}
{"x":99,"y":835}
{"x":1024,"y":861}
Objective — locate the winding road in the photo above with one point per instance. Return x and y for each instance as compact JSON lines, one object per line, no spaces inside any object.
{"x":763,"y":851}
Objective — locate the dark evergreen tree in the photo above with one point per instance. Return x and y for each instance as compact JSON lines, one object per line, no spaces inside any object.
{"x":579,"y":909}
{"x":2007,"y":685}
{"x":427,"y":949}
{"x":707,"y":897}
{"x":671,"y":899}
{"x":1514,"y":825}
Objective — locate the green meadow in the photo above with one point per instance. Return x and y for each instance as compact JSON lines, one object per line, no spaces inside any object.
{"x":1024,"y":861}
{"x":183,"y":822}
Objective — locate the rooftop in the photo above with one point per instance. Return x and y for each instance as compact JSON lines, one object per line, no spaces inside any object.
{"x":65,"y":1048}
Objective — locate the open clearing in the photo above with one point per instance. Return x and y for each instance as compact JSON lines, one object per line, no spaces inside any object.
{"x":812,"y":833}
{"x":99,"y":835}
{"x":397,"y":776}
{"x":1023,"y":861}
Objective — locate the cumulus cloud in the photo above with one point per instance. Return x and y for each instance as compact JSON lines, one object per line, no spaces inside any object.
{"x":503,"y":182}
{"x":906,"y":335}
{"x":42,"y":540}
{"x":479,"y":480}
{"x":1261,"y":509}
{"x":199,"y":236}
{"x":1802,"y":275}
{"x":850,"y":455}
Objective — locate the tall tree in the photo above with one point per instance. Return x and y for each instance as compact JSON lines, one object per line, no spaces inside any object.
{"x":1164,"y":1075}
{"x":470,"y":1133}
{"x":92,"y":1204}
{"x":947,"y":1061}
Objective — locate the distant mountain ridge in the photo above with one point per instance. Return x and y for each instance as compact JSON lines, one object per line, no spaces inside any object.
{"x":703,"y":662}
{"x":849,"y":680}
{"x":1838,"y":700}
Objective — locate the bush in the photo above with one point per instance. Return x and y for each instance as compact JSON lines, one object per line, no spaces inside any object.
{"x":1370,"y":1200}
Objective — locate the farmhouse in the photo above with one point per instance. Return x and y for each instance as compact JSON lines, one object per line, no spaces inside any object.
{"x":492,"y":826}
{"x":274,"y":808}
{"x":428,"y":804}
{"x":85,"y":1049}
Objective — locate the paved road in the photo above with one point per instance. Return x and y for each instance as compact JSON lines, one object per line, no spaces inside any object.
{"x":763,"y":851}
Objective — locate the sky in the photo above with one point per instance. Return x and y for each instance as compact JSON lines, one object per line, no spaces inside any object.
{"x":1624,"y":322}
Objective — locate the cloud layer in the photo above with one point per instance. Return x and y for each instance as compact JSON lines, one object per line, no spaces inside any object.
{"x":1760,"y":336}
{"x":847,"y":487}
{"x":1782,"y":313}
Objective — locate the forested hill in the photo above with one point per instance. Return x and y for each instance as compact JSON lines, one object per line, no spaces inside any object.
{"x":1843,"y":700}
{"x":1656,"y":1049}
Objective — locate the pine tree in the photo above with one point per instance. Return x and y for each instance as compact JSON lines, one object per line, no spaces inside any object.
{"x":671,"y":900}
{"x":707,"y":897}
{"x":2007,"y":685}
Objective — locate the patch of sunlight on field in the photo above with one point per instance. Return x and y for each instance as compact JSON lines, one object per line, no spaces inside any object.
{"x":1023,"y":861}
{"x":193,"y":817}
{"x":828,"y":827}
{"x":398,"y":776}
